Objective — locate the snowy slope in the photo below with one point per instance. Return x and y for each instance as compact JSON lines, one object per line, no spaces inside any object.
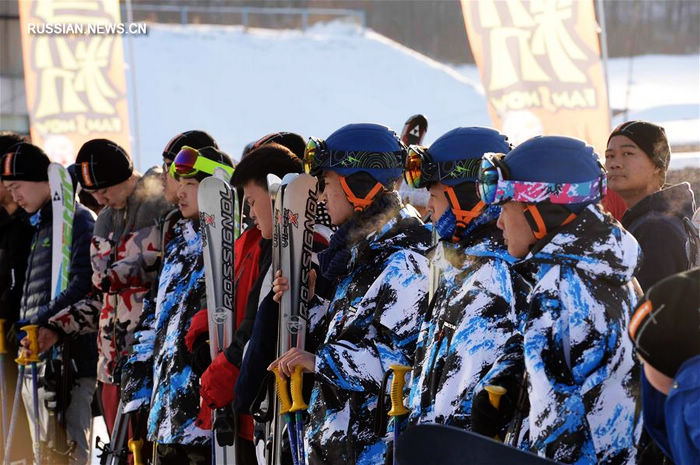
{"x":241,"y":85}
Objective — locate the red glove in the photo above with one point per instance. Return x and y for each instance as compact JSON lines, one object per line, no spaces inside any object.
{"x":217,"y":382}
{"x":198,"y":326}
{"x":203,"y":420}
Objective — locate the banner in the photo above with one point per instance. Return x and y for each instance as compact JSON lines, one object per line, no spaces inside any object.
{"x":74,"y":74}
{"x":540,"y":65}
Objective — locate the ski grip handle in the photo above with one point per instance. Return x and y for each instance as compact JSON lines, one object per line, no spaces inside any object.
{"x":297,"y":394}
{"x":3,"y":348}
{"x":282,"y":392}
{"x":397,"y":384}
{"x":33,"y":343}
{"x":135,"y":448}
{"x":495,"y":394}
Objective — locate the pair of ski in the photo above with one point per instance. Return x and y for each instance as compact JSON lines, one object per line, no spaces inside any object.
{"x":220,"y":226}
{"x":63,"y":211}
{"x":294,"y":202}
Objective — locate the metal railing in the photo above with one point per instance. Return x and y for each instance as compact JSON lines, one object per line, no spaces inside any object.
{"x":246,"y":12}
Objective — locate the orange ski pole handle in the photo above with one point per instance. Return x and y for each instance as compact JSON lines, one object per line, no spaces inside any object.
{"x":135,"y":448}
{"x":282,"y":392}
{"x":397,"y":383}
{"x":297,"y":394}
{"x":3,"y":347}
{"x":495,"y":394}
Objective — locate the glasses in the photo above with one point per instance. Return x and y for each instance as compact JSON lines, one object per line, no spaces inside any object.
{"x":420,"y":170}
{"x":189,"y":163}
{"x":494,"y":187}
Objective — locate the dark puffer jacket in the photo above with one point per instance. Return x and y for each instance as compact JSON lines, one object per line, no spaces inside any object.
{"x":15,"y":239}
{"x":37,"y":306}
{"x":657,"y":224}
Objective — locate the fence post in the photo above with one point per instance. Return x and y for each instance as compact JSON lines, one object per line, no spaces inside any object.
{"x":304,"y":20}
{"x":244,"y":18}
{"x":183,"y":15}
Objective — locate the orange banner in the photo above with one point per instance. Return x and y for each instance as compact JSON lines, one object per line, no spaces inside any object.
{"x":540,"y":66}
{"x":74,"y":74}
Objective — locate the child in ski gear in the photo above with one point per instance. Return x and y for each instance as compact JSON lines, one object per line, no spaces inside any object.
{"x":474,"y":311}
{"x":165,"y":380}
{"x":24,"y":174}
{"x":196,"y":139}
{"x":581,"y":373}
{"x":666,"y":332}
{"x":637,"y":159}
{"x":124,"y":254}
{"x":377,"y":260}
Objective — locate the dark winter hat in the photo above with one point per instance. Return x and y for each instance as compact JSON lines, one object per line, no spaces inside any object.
{"x":196,"y":139}
{"x":648,"y":137}
{"x":665,"y":328}
{"x":293,"y":141}
{"x":25,"y":162}
{"x":8,"y":139}
{"x":103,"y":164}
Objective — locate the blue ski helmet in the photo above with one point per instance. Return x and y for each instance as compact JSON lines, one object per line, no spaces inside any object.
{"x":365,"y":147}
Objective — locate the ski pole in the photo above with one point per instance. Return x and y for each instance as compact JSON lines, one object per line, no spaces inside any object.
{"x":3,"y":395}
{"x":298,"y":407}
{"x":513,"y":432}
{"x":398,"y":409}
{"x":285,"y":406}
{"x":21,"y":362}
{"x":495,"y":394}
{"x":33,"y":359}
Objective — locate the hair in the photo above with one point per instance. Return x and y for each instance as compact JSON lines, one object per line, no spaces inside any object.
{"x":267,"y":159}
{"x":8,"y":139}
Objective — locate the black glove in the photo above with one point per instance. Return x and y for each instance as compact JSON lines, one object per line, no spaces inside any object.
{"x":488,"y":421}
{"x":201,"y":355}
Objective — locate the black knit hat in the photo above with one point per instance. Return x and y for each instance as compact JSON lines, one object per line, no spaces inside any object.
{"x":196,"y":139}
{"x":293,"y":141}
{"x":102,"y":163}
{"x":648,"y":137}
{"x":665,"y":328}
{"x":25,"y":162}
{"x":8,"y":139}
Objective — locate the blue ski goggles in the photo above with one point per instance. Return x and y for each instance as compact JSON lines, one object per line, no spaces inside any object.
{"x":420,"y":170}
{"x":495,"y":188}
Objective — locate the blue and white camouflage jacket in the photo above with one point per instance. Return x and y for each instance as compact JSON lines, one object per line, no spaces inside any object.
{"x":472,"y":315}
{"x":158,"y":372}
{"x":373,"y":323}
{"x":583,"y":378}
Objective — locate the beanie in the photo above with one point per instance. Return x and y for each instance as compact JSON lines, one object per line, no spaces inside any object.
{"x":665,"y":328}
{"x":195,"y":139}
{"x":25,"y":162}
{"x":293,"y":141}
{"x":102,"y":163}
{"x":648,"y":137}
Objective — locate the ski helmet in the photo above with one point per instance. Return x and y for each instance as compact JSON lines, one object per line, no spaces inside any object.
{"x":354,"y":149}
{"x":454,"y":160}
{"x":555,"y":176}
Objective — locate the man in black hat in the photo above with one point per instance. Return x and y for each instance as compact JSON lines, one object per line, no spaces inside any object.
{"x":24,"y":173}
{"x":125,"y":251}
{"x":637,"y":159}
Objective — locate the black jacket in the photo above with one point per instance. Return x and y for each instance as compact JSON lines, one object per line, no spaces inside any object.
{"x":657,"y":224}
{"x":37,"y":306}
{"x":15,"y":239}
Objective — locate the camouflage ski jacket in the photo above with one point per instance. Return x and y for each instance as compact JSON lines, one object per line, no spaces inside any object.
{"x":374,"y":321}
{"x":473,"y":314}
{"x":583,"y":378}
{"x":125,"y":250}
{"x":160,"y":372}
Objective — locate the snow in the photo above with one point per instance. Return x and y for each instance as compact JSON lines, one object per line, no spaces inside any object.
{"x":240,"y":85}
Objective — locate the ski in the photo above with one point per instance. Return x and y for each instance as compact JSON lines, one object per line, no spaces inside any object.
{"x":414,"y":130}
{"x":218,"y":207}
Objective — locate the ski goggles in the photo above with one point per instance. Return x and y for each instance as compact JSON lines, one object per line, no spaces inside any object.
{"x":494,"y":187}
{"x":420,"y":170}
{"x":189,"y":163}
{"x":318,"y":157}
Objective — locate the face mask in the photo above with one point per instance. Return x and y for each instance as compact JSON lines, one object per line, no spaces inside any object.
{"x":445,"y":226}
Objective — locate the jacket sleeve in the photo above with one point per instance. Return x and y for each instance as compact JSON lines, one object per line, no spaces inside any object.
{"x":81,"y":317}
{"x":395,"y":303}
{"x":80,"y":268}
{"x":660,"y":262}
{"x":137,"y":374}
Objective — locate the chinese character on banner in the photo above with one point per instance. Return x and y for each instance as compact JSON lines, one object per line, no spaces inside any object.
{"x":540,"y":65}
{"x":76,"y":89}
